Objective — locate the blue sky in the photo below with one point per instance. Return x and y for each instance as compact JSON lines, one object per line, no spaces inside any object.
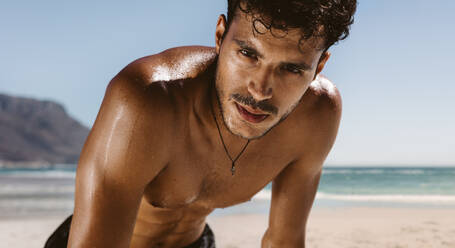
{"x":393,"y":71}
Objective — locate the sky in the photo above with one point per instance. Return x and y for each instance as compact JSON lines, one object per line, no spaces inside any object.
{"x":393,"y":71}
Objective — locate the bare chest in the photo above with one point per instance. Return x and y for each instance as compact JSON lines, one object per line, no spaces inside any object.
{"x":205,"y":179}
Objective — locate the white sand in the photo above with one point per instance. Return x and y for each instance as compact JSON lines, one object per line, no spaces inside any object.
{"x":350,"y":228}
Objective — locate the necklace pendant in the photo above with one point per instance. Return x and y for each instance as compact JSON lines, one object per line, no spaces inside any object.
{"x":233,"y":168}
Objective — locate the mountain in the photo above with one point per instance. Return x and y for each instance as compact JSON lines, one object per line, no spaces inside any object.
{"x":36,"y":133}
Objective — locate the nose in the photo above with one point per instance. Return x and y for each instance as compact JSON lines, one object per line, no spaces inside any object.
{"x":260,"y":85}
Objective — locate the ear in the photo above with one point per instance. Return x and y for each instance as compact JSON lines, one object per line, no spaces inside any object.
{"x":219,"y":32}
{"x":324,"y":57}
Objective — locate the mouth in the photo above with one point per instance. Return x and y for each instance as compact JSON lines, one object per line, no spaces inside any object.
{"x":251,"y":115}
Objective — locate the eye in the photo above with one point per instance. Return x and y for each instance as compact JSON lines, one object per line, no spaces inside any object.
{"x":293,"y":69}
{"x":247,"y":53}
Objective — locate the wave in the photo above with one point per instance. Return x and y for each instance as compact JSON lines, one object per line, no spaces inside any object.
{"x":390,"y":198}
{"x":447,"y":199}
{"x":40,"y":174}
{"x":34,"y":189}
{"x":375,"y":171}
{"x":354,"y":171}
{"x":410,"y":172}
{"x":264,"y":194}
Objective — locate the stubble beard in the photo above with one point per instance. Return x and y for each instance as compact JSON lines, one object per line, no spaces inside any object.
{"x":228,"y":122}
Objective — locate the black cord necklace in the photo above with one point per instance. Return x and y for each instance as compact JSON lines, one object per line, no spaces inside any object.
{"x":224,"y":145}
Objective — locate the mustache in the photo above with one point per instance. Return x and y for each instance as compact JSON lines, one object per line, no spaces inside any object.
{"x":249,"y":101}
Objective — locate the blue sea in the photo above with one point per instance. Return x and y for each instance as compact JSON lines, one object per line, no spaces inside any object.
{"x":47,"y":192}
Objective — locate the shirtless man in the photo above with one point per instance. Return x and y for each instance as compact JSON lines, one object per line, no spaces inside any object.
{"x":192,"y":129}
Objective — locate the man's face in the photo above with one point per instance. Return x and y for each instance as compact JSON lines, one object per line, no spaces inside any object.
{"x":261,"y":78}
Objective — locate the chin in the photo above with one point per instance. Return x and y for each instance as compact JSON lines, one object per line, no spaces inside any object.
{"x":246,"y":132}
{"x":240,"y":127}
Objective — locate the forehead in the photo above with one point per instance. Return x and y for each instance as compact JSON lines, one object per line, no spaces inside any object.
{"x":252,"y":29}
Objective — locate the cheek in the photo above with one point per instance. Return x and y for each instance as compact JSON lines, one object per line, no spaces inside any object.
{"x":232,"y":77}
{"x":289,"y":94}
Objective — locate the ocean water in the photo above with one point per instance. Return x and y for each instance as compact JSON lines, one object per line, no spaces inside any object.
{"x":51,"y":191}
{"x":41,"y":192}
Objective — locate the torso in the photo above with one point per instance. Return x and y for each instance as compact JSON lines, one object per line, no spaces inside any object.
{"x":197,"y":178}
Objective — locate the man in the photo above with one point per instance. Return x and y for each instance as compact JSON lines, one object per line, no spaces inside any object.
{"x":192,"y":129}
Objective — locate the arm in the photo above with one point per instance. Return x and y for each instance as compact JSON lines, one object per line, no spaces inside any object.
{"x":115,"y":166}
{"x":294,"y":189}
{"x":292,"y":198}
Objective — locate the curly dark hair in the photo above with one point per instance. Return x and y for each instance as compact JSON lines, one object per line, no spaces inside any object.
{"x":329,"y":19}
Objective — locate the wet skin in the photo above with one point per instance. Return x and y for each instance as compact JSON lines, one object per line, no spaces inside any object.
{"x":153,"y":166}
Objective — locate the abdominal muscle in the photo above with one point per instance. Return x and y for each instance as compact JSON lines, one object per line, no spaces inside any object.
{"x":167,"y":227}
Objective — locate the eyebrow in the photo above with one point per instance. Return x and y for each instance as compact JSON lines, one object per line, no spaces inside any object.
{"x":248,"y":45}
{"x":302,"y":65}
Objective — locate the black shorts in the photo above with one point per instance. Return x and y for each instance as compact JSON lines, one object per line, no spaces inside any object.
{"x":59,"y":239}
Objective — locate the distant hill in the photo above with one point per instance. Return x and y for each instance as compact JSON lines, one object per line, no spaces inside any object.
{"x":35,"y":133}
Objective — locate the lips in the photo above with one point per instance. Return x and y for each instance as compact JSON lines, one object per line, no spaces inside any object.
{"x":251,"y":117}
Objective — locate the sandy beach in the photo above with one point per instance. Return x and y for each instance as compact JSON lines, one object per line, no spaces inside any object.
{"x":339,"y":227}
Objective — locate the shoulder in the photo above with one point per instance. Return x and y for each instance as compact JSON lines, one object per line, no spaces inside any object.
{"x":327,"y":97}
{"x":141,"y":96}
{"x":321,"y":105}
{"x":317,"y":120}
{"x":144,"y":84}
{"x":172,"y":64}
